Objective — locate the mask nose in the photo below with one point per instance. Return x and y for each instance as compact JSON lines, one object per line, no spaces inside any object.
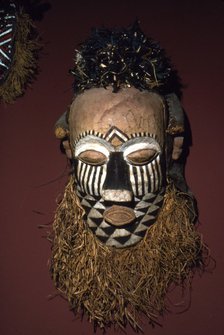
{"x":117,"y":186}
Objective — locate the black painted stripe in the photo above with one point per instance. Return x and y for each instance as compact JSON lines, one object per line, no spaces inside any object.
{"x":96,"y":181}
{"x":157,"y":163}
{"x":100,"y":178}
{"x":142,"y":180}
{"x":88,"y":180}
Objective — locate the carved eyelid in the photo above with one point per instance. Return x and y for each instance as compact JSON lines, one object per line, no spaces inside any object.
{"x":92,"y":157}
{"x":138,"y":144}
{"x":93,"y":143}
{"x":138,"y":158}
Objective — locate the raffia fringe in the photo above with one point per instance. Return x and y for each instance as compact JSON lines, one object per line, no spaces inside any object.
{"x":114,"y":287}
{"x":24,"y":66}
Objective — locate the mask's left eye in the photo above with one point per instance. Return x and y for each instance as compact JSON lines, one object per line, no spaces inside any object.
{"x":141,"y":157}
{"x":92,"y":157}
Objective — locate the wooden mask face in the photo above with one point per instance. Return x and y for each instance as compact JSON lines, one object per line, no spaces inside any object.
{"x":117,"y":144}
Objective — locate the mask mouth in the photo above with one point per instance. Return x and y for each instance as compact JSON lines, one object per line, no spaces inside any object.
{"x":119,"y":215}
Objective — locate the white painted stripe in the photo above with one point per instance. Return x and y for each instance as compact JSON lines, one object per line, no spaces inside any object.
{"x":6,"y":41}
{"x":6,"y":32}
{"x":4,"y":54}
{"x":160,"y":177}
{"x":10,"y":17}
{"x":132,"y":179}
{"x":86,"y":146}
{"x":149,"y":167}
{"x":156,"y":174}
{"x":79,"y":169}
{"x":2,"y":64}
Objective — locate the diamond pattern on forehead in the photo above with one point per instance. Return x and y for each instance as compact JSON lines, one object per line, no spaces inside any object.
{"x":116,"y":132}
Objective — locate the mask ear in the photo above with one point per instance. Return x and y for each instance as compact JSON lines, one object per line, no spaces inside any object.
{"x":61,"y":128}
{"x":175,"y":124}
{"x":175,"y":140}
{"x":177,"y":147}
{"x":62,"y":133}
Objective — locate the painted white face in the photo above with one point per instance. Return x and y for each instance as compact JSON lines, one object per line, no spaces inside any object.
{"x":119,"y":179}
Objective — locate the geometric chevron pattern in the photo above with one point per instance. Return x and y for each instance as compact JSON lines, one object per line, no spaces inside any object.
{"x":146,"y":210}
{"x":7,"y":34}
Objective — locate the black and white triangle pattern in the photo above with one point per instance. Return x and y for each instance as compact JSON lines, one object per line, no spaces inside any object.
{"x":146,"y":211}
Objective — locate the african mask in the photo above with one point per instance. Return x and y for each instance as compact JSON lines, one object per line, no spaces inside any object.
{"x":124,"y":230}
{"x":19,"y":46}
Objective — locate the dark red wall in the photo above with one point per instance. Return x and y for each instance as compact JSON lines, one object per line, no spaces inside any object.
{"x":192,"y":33}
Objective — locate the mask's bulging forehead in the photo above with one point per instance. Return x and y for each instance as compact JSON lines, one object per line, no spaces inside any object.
{"x":129,"y":109}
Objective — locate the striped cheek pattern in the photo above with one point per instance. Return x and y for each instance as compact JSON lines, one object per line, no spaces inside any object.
{"x":90,"y":178}
{"x":146,"y":178}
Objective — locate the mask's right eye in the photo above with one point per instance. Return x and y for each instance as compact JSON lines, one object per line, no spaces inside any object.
{"x":92,"y":157}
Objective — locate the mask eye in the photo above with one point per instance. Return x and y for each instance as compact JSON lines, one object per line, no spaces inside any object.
{"x":92,"y":157}
{"x":141,"y":157}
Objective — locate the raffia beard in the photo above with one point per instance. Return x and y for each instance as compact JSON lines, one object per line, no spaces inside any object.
{"x":116,"y":286}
